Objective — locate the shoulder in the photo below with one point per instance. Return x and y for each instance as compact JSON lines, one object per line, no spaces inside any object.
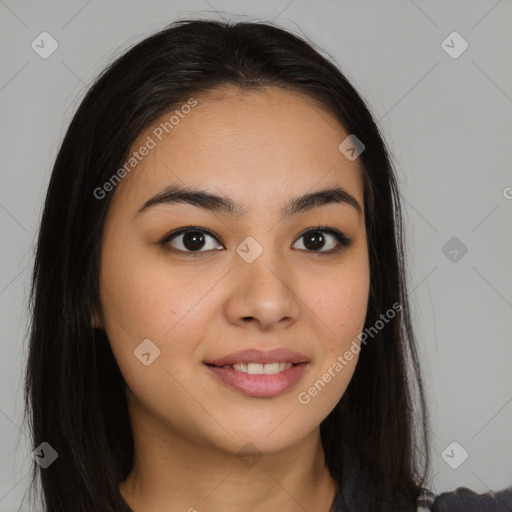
{"x":466,"y":500}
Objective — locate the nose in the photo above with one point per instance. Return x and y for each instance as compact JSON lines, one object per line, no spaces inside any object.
{"x":263,"y":294}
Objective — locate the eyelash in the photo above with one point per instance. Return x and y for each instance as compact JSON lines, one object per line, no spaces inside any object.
{"x":342,"y":240}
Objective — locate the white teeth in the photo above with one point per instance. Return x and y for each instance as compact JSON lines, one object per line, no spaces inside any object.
{"x":255,"y":368}
{"x":271,"y":368}
{"x":261,"y":369}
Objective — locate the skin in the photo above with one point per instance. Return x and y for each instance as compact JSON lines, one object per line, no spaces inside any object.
{"x":261,"y":148}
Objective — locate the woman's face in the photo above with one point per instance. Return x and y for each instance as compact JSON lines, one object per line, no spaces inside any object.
{"x":253,"y":281}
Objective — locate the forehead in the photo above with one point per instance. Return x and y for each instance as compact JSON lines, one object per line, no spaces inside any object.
{"x":268,"y":144}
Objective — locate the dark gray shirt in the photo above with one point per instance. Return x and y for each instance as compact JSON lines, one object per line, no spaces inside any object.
{"x":460,"y":500}
{"x":349,"y":499}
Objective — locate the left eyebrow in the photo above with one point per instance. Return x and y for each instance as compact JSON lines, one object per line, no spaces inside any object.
{"x":209,"y":201}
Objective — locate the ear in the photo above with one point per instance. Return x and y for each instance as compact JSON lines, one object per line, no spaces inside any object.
{"x":96,"y":321}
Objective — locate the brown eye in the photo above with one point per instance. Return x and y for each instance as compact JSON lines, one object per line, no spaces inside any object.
{"x":191,"y":240}
{"x":317,"y":239}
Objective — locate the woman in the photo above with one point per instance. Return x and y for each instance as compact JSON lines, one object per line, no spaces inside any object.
{"x":220,"y":316}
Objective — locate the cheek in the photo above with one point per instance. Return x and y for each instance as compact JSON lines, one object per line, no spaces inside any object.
{"x":142,"y":300}
{"x":143,"y":297}
{"x":338,"y":300}
{"x":338,"y":304}
{"x":146,"y":295}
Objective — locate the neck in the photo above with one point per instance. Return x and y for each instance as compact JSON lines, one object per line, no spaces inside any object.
{"x":171,"y":472}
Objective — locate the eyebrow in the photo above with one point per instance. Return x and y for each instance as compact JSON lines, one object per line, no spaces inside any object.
{"x":204,"y":199}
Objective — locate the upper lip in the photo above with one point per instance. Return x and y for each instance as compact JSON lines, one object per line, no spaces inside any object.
{"x":259,"y":356}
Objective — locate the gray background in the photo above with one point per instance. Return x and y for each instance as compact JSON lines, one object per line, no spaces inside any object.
{"x":447,"y":121}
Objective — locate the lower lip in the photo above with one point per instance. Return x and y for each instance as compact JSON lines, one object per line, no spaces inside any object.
{"x":260,"y":385}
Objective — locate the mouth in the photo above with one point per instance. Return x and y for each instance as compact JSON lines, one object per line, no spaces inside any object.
{"x":260,"y":374}
{"x":259,"y":379}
